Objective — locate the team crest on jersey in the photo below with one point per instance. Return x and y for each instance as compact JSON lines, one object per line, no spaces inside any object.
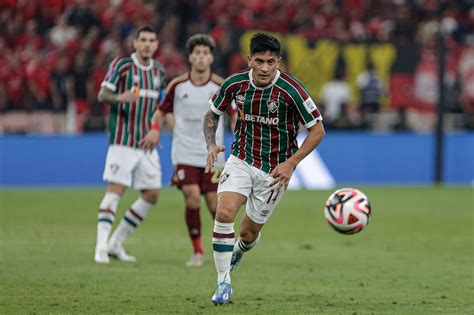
{"x":239,"y":100}
{"x":273,"y":105}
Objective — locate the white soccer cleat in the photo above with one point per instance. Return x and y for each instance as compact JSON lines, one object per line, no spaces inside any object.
{"x":197,"y":260}
{"x":119,"y":253}
{"x":101,"y":256}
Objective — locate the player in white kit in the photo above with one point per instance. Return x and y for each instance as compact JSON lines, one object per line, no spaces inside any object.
{"x":187,"y":100}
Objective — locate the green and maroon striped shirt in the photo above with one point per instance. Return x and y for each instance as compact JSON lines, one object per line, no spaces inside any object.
{"x":129,"y":122}
{"x":266,"y":132}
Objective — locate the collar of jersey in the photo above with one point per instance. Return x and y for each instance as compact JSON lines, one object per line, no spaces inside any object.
{"x":277,"y":75}
{"x":139,"y":65}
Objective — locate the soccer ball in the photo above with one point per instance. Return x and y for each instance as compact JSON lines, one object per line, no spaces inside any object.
{"x":347,"y":210}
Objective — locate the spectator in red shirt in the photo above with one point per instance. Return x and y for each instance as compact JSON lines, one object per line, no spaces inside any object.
{"x":12,"y":82}
{"x":30,"y":36}
{"x":38,"y":82}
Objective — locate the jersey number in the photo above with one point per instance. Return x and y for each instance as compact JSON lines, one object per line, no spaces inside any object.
{"x":272,"y":199}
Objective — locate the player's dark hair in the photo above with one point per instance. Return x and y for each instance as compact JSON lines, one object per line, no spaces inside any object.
{"x":262,"y":42}
{"x":200,"y":39}
{"x":145,"y":28}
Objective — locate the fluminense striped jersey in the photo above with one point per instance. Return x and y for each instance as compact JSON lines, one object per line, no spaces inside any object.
{"x":266,"y":132}
{"x":129,"y":122}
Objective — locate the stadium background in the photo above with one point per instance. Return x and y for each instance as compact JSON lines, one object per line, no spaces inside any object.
{"x":54,"y":55}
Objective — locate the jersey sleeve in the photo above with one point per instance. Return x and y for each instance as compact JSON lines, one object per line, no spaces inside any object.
{"x":113,"y":76}
{"x":232,"y":109}
{"x":221,"y":100}
{"x":308,"y":113}
{"x":166,"y":105}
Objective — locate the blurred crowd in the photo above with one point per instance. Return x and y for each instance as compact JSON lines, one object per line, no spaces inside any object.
{"x":54,"y":53}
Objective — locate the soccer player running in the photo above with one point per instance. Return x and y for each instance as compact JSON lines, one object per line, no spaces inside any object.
{"x":187,"y":101}
{"x":131,"y":87}
{"x":271,"y":103}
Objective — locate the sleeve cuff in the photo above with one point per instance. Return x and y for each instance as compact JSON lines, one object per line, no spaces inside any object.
{"x":313,"y":122}
{"x":214,"y":109}
{"x":108,"y":85}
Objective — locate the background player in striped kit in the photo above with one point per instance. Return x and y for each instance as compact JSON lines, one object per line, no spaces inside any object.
{"x":187,"y":100}
{"x":131,"y":87}
{"x":271,"y":104}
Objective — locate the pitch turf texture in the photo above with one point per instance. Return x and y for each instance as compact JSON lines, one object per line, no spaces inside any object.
{"x":415,"y":257}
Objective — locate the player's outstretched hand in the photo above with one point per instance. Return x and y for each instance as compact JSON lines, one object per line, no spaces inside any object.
{"x":150,"y":140}
{"x":212,"y":153}
{"x":282,"y":174}
{"x":127,"y":97}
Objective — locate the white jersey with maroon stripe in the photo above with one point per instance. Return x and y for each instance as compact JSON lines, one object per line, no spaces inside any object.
{"x":189,"y":103}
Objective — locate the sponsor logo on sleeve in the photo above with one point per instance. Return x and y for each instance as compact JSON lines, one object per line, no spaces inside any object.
{"x":309,"y":105}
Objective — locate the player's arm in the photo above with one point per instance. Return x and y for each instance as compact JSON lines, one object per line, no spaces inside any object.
{"x":107,"y":96}
{"x":107,"y":93}
{"x":160,"y":115}
{"x":282,"y":173}
{"x":313,"y":139}
{"x":220,"y":103}
{"x":211,"y":121}
{"x":152,"y":138}
{"x":169,"y":120}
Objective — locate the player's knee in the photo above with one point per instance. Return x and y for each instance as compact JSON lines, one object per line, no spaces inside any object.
{"x":150,"y":196}
{"x":224,"y":215}
{"x":192,"y":201}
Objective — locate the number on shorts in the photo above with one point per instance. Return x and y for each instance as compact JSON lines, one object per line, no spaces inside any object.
{"x":216,"y":174}
{"x":271,"y":195}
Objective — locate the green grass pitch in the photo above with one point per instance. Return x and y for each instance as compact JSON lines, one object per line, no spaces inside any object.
{"x":415,"y":257}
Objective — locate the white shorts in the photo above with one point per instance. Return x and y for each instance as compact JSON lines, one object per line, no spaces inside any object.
{"x":242,"y":178}
{"x":132,"y":167}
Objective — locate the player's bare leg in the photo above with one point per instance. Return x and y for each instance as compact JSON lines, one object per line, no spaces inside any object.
{"x":228,"y":204}
{"x":211,"y":202}
{"x":249,"y":237}
{"x":107,"y":210}
{"x":130,"y":221}
{"x":192,"y":195}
